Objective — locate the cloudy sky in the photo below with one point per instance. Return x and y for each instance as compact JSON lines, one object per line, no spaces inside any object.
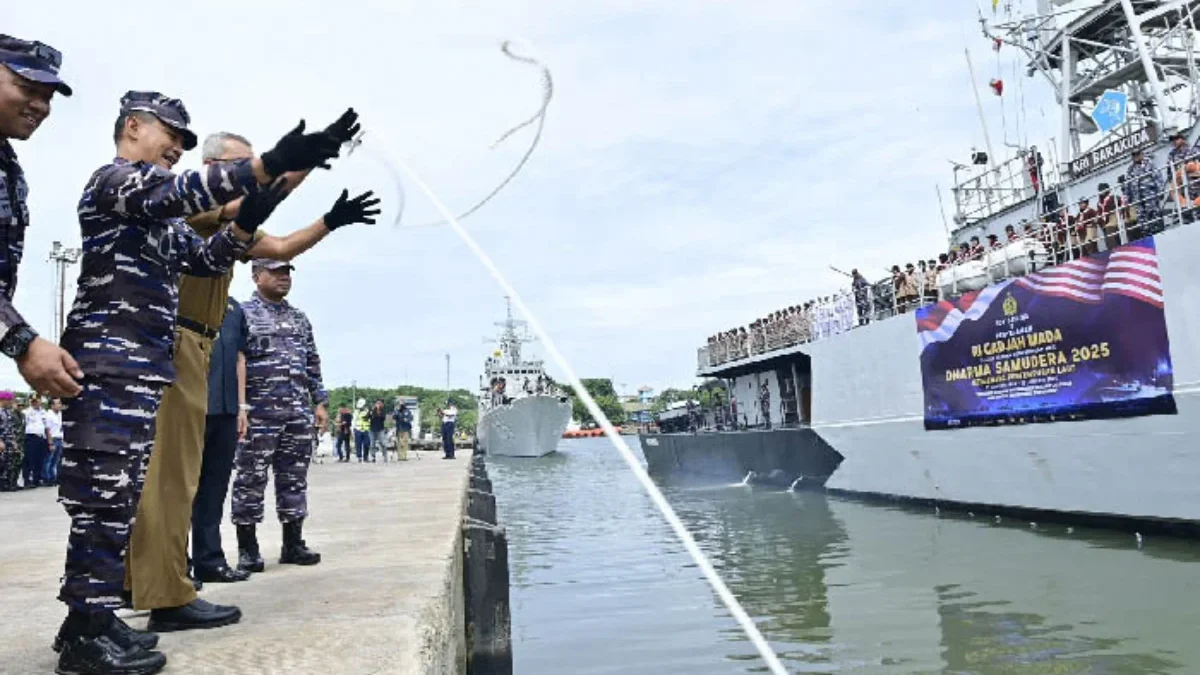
{"x":703,"y":163}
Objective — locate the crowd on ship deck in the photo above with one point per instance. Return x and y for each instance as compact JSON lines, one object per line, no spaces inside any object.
{"x":498,"y":388}
{"x":1146,"y":200}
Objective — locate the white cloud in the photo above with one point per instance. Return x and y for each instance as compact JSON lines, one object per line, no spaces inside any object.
{"x":703,"y":163}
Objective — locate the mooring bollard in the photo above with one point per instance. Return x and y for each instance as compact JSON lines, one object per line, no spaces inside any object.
{"x":486,"y":606}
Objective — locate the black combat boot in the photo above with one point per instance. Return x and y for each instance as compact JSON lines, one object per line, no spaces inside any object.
{"x":118,"y":631}
{"x":294,"y":551}
{"x":89,"y":649}
{"x":249,"y":559}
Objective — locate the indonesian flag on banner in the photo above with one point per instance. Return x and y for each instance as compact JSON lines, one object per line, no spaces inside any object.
{"x":938,"y":322}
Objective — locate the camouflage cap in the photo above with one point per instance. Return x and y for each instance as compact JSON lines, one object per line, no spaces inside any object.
{"x":35,"y":61}
{"x":267,"y":264}
{"x":169,"y":111}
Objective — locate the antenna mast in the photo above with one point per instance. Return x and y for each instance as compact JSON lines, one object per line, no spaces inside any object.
{"x":61,"y":257}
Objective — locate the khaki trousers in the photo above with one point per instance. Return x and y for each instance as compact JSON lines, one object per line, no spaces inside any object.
{"x":156,"y":565}
{"x":402,"y":443}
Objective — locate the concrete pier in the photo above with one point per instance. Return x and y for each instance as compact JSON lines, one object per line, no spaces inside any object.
{"x":386,"y":598}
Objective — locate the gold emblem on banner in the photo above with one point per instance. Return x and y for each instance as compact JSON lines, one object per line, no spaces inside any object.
{"x":1010,"y":305}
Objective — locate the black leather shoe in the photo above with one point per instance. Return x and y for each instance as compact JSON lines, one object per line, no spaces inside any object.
{"x":197,"y":614}
{"x":295,"y":552}
{"x":99,"y":655}
{"x":221,"y":575}
{"x":124,"y":635}
{"x":196,"y":583}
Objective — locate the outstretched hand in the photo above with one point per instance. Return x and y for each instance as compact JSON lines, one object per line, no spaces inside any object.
{"x":346,"y":211}
{"x":346,"y":127}
{"x":298,"y":151}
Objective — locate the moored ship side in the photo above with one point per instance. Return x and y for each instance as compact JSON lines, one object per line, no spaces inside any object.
{"x":1054,"y":371}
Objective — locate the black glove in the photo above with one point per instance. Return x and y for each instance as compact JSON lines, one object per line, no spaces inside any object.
{"x":257,"y":207}
{"x":346,"y":211}
{"x":346,"y":127}
{"x":298,"y":151}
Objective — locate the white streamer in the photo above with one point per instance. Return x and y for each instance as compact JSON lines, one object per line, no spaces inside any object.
{"x":656,"y":496}
{"x":538,"y":117}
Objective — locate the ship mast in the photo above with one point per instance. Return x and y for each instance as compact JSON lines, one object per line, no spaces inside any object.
{"x":1123,"y":72}
{"x":512,"y":336}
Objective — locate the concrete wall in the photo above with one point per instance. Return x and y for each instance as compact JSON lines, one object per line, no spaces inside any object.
{"x":467,"y":630}
{"x":443,"y":638}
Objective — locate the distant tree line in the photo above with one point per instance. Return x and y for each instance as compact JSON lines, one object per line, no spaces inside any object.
{"x":429,"y":401}
{"x":704,"y":394}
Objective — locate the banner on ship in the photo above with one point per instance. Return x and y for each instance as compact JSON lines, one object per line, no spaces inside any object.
{"x":1085,"y":339}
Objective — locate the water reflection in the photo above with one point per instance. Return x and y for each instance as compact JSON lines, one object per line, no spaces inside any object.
{"x":601,"y":586}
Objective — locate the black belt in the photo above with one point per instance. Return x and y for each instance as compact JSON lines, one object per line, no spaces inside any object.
{"x":197,"y":327}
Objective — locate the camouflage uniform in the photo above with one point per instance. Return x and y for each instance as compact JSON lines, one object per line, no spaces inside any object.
{"x":10,"y":455}
{"x":283,"y":383}
{"x":14,"y":219}
{"x":1144,"y":187}
{"x":121,"y":330}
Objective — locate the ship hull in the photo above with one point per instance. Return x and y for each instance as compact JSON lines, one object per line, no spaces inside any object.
{"x":776,"y":457}
{"x":868,"y":405}
{"x":527,"y":427}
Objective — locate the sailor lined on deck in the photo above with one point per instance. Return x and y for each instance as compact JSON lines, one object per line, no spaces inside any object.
{"x":1183,"y":165}
{"x":1145,"y":188}
{"x":122,"y":330}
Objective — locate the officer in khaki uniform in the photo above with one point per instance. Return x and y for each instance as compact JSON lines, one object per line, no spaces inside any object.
{"x":157,"y":575}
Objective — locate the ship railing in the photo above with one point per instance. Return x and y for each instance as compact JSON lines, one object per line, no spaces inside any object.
{"x":1141,"y":205}
{"x":988,"y":191}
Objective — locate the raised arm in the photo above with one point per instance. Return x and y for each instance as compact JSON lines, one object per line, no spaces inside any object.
{"x":215,"y":255}
{"x":345,"y":211}
{"x":143,"y":190}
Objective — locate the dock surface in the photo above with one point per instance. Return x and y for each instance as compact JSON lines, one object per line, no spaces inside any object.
{"x":386,"y":597}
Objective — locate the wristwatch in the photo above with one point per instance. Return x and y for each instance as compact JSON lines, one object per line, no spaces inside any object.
{"x":16,"y":341}
{"x":245,"y":407}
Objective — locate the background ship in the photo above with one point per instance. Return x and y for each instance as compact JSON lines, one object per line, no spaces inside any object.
{"x":521,"y":411}
{"x":843,"y":407}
